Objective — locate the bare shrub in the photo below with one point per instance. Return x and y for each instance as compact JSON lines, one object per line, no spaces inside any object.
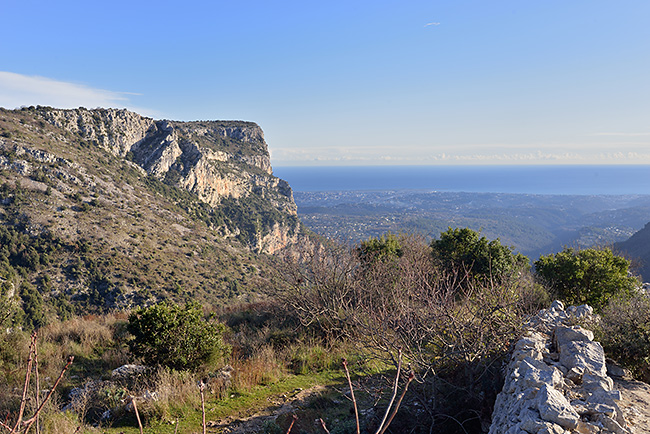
{"x":624,"y":331}
{"x":452,"y":329}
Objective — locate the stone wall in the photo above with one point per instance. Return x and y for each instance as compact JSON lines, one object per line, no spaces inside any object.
{"x":556,"y":381}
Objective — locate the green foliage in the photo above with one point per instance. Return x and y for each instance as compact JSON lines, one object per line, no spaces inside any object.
{"x":590,"y":276}
{"x":624,"y":331}
{"x":33,"y":307}
{"x":174,"y":336}
{"x":461,"y":251}
{"x":383,"y":248}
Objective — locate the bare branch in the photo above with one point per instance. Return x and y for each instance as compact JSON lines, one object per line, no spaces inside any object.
{"x":38,"y":387}
{"x":392,"y":399}
{"x":28,"y":423}
{"x":354,"y":401}
{"x":399,"y":402}
{"x":322,"y":424}
{"x":23,"y":400}
{"x":137,"y":415}
{"x":293,"y":420}
{"x":201,"y":389}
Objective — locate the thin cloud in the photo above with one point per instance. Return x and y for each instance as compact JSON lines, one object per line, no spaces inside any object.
{"x":431,"y":24}
{"x":623,"y":134}
{"x":406,"y":155}
{"x":18,"y":90}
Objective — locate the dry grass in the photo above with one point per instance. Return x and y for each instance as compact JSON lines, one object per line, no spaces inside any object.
{"x":90,"y":337}
{"x":84,"y":334}
{"x":58,"y":422}
{"x":263,"y":367}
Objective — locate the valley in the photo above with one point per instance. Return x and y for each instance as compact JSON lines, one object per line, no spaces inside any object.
{"x":533,"y":224}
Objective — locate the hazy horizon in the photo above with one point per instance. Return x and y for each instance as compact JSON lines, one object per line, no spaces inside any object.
{"x":514,"y":179}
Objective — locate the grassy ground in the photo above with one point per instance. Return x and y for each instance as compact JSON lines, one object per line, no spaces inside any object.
{"x":260,"y":402}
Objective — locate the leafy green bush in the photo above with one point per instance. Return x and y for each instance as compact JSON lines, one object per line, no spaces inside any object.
{"x":174,"y":336}
{"x":461,"y":251}
{"x":624,"y":331}
{"x":383,"y":248}
{"x":33,"y":306}
{"x":590,"y":276}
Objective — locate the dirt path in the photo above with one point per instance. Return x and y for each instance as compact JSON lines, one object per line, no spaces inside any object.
{"x":279,"y":405}
{"x":635,"y":403}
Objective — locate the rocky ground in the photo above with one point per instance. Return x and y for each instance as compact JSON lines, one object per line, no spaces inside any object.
{"x":635,"y":404}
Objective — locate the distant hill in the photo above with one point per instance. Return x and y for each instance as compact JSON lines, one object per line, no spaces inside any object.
{"x":104,"y":209}
{"x":534,"y":224}
{"x":637,"y":248}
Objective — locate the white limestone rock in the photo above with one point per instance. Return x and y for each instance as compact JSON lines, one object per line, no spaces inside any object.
{"x":584,"y":312}
{"x":587,"y":355}
{"x":554,"y":407}
{"x":536,"y":374}
{"x":565,"y":334}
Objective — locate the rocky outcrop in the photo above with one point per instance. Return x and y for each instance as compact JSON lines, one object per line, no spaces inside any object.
{"x":215,"y":160}
{"x":557,"y":380}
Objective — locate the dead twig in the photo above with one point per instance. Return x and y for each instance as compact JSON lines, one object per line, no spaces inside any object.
{"x":137,"y":415}
{"x":293,"y":420}
{"x":23,"y":400}
{"x":38,"y":387}
{"x":322,"y":424}
{"x":399,"y":402}
{"x":392,"y":399}
{"x":354,"y":401}
{"x":29,"y":422}
{"x":32,"y":362}
{"x":201,"y":389}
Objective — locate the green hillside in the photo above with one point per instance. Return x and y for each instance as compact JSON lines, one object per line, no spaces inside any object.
{"x":91,"y":231}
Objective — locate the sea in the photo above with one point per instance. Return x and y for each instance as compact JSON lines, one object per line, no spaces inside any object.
{"x":521,"y":179}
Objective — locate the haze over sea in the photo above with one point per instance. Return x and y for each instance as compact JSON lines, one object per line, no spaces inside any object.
{"x":522,"y":179}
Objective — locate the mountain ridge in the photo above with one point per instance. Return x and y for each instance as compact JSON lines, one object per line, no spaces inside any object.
{"x":104,"y":208}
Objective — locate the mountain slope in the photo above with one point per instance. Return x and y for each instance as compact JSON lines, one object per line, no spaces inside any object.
{"x":637,"y":248}
{"x":105,"y":208}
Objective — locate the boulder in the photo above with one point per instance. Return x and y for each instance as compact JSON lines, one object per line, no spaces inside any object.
{"x":126,"y":372}
{"x":554,"y":407}
{"x":587,"y":355}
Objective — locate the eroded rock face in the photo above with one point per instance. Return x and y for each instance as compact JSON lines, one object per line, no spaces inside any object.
{"x":216,"y":160}
{"x":557,"y":380}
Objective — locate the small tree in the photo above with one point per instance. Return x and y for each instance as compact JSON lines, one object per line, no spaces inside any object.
{"x":175,"y":336}
{"x":383,"y":248}
{"x":590,"y":276}
{"x":463,"y":250}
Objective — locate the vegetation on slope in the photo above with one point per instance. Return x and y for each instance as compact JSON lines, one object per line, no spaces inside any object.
{"x":87,"y":231}
{"x":86,"y":237}
{"x":369,"y":303}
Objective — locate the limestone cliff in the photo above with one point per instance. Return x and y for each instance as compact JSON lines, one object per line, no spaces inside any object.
{"x":221,"y":162}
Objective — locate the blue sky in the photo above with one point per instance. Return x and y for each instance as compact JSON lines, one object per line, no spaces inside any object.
{"x":355,"y":82}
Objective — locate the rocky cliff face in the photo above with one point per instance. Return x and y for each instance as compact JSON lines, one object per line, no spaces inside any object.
{"x":215,"y":160}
